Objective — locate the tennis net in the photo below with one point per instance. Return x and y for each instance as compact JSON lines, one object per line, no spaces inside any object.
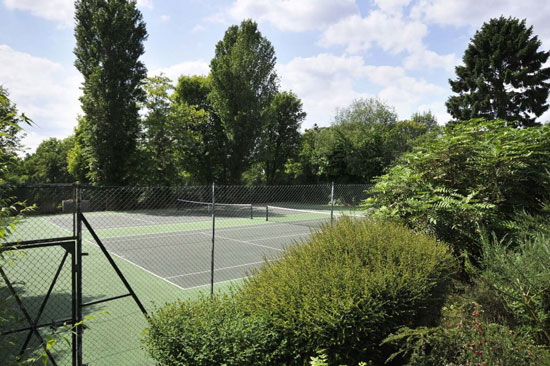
{"x":198,"y":208}
{"x":310,"y":218}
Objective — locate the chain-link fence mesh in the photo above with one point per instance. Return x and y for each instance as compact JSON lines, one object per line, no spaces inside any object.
{"x":172,"y":243}
{"x":36,"y":281}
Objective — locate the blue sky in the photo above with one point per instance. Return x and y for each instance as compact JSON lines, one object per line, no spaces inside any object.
{"x":329,"y":52}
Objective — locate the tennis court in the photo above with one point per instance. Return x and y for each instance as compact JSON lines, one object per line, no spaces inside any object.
{"x":163,"y":247}
{"x":176,"y":247}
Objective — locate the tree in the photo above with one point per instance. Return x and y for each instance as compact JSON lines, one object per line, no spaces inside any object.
{"x":280,"y":138}
{"x":364,"y":139}
{"x":243,"y":84}
{"x":10,"y":132}
{"x":199,"y":135}
{"x":425,"y":118}
{"x":503,"y":75}
{"x":109,"y":41}
{"x":193,"y":90}
{"x":49,"y":163}
{"x":156,"y":144}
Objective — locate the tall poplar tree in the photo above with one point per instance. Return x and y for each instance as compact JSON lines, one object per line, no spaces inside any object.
{"x":503,"y":75}
{"x":243,"y":81}
{"x":109,"y":42}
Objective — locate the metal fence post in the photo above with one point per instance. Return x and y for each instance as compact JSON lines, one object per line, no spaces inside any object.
{"x":79,"y":327}
{"x":213,"y":238}
{"x":332,"y":203}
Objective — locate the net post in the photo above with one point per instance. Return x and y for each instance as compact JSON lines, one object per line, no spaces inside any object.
{"x":251,"y":212}
{"x":213,"y":238}
{"x":332,"y":203}
{"x":266,"y":213}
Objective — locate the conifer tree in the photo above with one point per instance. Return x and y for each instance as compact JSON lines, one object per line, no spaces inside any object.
{"x":109,"y":41}
{"x":503,"y":75}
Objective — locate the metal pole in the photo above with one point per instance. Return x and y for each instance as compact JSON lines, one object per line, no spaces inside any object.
{"x":74,"y":278}
{"x":266,"y":213}
{"x":213,"y":238}
{"x":79,"y":328}
{"x":332,"y":203}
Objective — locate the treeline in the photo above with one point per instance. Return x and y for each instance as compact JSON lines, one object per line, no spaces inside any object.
{"x":233,"y":126}
{"x":236,"y":125}
{"x":173,"y":150}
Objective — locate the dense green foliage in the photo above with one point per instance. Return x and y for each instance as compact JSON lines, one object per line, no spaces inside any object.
{"x":11,"y":124}
{"x":503,"y":76}
{"x":10,"y":134}
{"x":363,"y":141}
{"x":48,"y":164}
{"x":468,"y":341}
{"x":349,"y":286}
{"x":474,"y":177}
{"x":280,"y":138}
{"x":212,"y":331}
{"x":155,"y":144}
{"x":200,"y":138}
{"x":109,"y":41}
{"x":344,"y":290}
{"x":499,"y":317}
{"x":514,"y":284}
{"x":243,"y":84}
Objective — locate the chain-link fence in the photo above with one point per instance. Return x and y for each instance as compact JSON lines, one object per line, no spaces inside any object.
{"x":37,"y":277}
{"x":145,"y":246}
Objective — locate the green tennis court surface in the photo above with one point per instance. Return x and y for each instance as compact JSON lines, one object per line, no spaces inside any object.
{"x":164,"y":254}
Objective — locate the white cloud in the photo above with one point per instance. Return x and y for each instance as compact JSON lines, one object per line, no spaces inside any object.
{"x":197,"y":29}
{"x":473,"y":13}
{"x":392,"y":6}
{"x":145,"y":4}
{"x":59,"y":11}
{"x":427,"y":59}
{"x":390,"y":32}
{"x":198,"y":67}
{"x":327,"y":82}
{"x":165,"y":18}
{"x":217,"y":18}
{"x":323,"y":83}
{"x":44,"y":90}
{"x":291,"y":15}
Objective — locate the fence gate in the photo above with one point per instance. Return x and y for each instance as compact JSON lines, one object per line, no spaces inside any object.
{"x":41,"y":278}
{"x":41,"y":297}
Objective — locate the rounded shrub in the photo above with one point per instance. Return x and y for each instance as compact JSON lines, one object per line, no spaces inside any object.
{"x":348,"y":287}
{"x":211,"y":331}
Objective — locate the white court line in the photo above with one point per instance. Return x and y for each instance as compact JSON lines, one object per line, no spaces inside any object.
{"x":216,"y":269}
{"x":178,"y":234}
{"x":56,"y":224}
{"x":137,"y":265}
{"x":131,"y":216}
{"x":215,"y":283}
{"x":280,"y":237}
{"x":271,"y":223}
{"x":247,"y":242}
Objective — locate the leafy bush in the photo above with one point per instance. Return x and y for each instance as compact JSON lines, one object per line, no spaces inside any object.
{"x":341,"y":292}
{"x":349,"y":286}
{"x":468,"y":342}
{"x":211,"y":331}
{"x":477,"y":174}
{"x":514,"y":284}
